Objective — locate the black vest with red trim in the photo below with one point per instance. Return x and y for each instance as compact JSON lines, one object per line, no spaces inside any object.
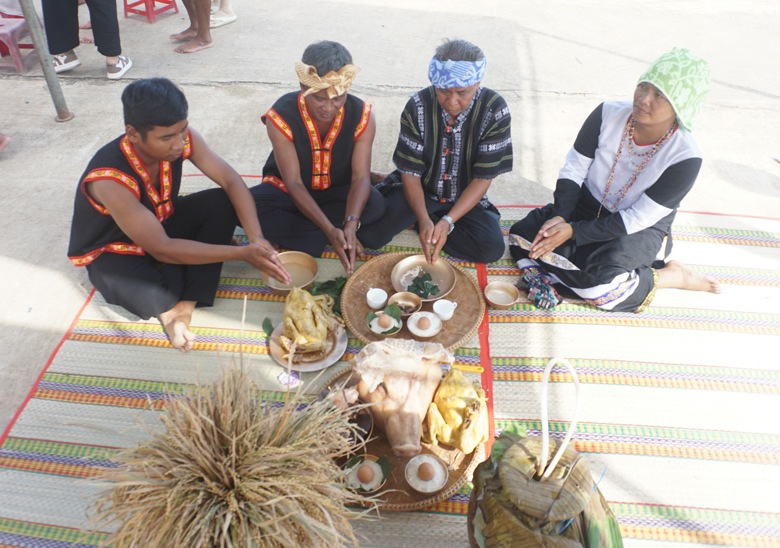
{"x":93,"y":230}
{"x":325,"y":161}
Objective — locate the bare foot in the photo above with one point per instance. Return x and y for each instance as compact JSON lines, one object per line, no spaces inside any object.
{"x":678,"y":276}
{"x":188,"y":34}
{"x":176,"y":323}
{"x":86,"y":36}
{"x":194,"y":45}
{"x":4,"y":140}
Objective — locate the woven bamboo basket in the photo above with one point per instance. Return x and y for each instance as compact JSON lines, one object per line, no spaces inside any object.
{"x":396,"y":495}
{"x":376,"y":273}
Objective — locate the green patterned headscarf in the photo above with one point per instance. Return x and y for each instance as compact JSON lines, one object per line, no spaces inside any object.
{"x":684,"y":79}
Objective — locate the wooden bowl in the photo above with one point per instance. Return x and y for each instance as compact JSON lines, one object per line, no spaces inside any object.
{"x":501,"y":295}
{"x":302,"y":268}
{"x":442,"y":274}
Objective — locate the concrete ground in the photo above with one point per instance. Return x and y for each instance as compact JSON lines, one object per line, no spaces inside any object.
{"x":552,"y":61}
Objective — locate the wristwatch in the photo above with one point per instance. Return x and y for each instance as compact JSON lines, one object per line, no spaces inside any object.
{"x":351,"y":218}
{"x":450,"y":221}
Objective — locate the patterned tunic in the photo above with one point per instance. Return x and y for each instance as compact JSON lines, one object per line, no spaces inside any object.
{"x":448,"y":158}
{"x":608,"y":262}
{"x":324,"y":161}
{"x":93,"y":230}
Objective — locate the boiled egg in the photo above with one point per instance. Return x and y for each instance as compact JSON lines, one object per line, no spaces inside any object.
{"x":366,"y":475}
{"x":426,"y":473}
{"x":383,"y":323}
{"x":424,"y":324}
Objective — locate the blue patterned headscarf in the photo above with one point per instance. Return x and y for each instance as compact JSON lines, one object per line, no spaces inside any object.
{"x":456,"y":74}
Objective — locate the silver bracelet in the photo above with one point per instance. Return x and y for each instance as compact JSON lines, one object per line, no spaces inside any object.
{"x":450,"y":221}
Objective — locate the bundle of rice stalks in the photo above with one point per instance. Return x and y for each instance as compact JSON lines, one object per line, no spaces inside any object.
{"x":228,"y":469}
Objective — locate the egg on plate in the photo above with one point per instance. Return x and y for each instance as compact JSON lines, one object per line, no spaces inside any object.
{"x":366,"y":473}
{"x":424,"y":324}
{"x":385,"y":322}
{"x":426,"y":473}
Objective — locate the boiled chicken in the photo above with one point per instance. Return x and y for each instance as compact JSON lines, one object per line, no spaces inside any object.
{"x":307,"y":322}
{"x":458,"y":416}
{"x":399,"y":377}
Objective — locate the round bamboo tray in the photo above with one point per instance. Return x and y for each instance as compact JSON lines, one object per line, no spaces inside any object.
{"x":396,"y":495}
{"x":376,"y":273}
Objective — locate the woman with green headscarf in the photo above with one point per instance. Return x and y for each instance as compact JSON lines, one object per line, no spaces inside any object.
{"x":617,"y":195}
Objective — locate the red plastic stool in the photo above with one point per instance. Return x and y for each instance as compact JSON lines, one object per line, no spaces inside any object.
{"x":11,"y":33}
{"x":148,"y":8}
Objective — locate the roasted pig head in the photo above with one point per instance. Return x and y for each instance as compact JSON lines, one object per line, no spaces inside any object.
{"x":399,"y":377}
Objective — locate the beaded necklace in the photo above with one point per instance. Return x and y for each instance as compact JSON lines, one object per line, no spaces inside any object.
{"x":628,"y":134}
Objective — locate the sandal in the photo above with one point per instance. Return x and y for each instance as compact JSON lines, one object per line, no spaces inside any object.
{"x":217,"y":21}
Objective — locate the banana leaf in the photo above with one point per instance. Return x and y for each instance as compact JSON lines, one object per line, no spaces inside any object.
{"x":509,"y":506}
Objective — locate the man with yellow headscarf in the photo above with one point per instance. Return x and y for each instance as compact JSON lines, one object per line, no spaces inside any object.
{"x":316,"y":187}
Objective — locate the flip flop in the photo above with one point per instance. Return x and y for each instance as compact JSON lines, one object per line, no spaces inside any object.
{"x":217,"y":21}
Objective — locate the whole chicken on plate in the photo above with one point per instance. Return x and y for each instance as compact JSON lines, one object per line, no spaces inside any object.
{"x":308,"y":322}
{"x":458,"y":415}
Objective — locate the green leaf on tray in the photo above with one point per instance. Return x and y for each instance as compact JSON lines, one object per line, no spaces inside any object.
{"x":333,"y":288}
{"x":394,"y":311}
{"x":423,"y":286}
{"x":268,"y":327}
{"x":384,"y":464}
{"x":354,"y":461}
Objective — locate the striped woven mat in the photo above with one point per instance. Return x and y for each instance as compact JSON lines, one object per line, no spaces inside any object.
{"x":678,"y":416}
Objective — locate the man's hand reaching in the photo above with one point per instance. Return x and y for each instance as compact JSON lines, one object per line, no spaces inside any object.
{"x":262,"y":255}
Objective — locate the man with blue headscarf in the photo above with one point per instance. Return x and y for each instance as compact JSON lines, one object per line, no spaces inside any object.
{"x":454,"y":140}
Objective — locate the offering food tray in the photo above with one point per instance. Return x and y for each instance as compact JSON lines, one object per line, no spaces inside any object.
{"x":395,"y":494}
{"x":377,"y":273}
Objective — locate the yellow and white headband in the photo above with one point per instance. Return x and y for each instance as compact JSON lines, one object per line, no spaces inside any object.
{"x":337,"y":83}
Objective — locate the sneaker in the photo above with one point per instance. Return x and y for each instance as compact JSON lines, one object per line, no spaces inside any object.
{"x":115,"y":72}
{"x":65,"y":61}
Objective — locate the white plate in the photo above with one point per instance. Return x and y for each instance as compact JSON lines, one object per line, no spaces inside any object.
{"x":339,"y":338}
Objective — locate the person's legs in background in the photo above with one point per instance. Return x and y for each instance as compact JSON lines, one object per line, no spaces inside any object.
{"x":223,"y":15}
{"x":61,"y":24}
{"x":197,"y":35}
{"x":105,"y":28}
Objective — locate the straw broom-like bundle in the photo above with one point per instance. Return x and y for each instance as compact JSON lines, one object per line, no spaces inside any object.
{"x":230,"y":470}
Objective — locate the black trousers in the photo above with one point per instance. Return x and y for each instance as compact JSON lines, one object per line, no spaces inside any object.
{"x":148,"y":288}
{"x":61,"y":21}
{"x":477,"y":235}
{"x":283,"y":224}
{"x":599,"y":263}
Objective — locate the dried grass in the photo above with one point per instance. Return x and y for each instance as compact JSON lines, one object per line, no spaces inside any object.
{"x":228,"y":469}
